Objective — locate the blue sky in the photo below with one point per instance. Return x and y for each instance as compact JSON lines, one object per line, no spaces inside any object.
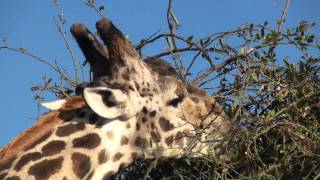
{"x":29,"y":24}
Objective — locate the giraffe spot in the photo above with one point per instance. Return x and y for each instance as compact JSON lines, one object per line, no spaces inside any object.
{"x":6,"y":164}
{"x":40,"y":140}
{"x":88,"y":141}
{"x":179,"y":138}
{"x":70,"y":128}
{"x":46,"y":168}
{"x":165,"y":124}
{"x":13,"y":178}
{"x":155,"y":136}
{"x":64,"y":178}
{"x":108,"y":174}
{"x":25,"y":159}
{"x":93,"y":118}
{"x":128,"y":126}
{"x":169,"y":140}
{"x":53,"y":147}
{"x":102,"y":156}
{"x":141,"y":142}
{"x":124,"y":140}
{"x":82,"y":114}
{"x":110,"y":134}
{"x":152,"y":125}
{"x":137,"y":126}
{"x":144,"y":119}
{"x":117,"y":156}
{"x":144,"y":110}
{"x":153,"y":113}
{"x":80,"y":164}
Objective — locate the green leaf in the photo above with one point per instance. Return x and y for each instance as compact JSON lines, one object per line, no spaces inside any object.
{"x":254,"y":77}
{"x":243,"y":50}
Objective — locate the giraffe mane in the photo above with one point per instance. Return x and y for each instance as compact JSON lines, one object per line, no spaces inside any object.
{"x":40,"y":129}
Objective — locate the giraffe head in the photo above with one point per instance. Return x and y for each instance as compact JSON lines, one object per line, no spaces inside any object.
{"x":148,"y":91}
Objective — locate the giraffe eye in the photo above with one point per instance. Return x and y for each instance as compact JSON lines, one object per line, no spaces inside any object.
{"x":174,"y":102}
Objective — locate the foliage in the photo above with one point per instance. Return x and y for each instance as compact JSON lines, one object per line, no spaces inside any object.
{"x":272,"y":98}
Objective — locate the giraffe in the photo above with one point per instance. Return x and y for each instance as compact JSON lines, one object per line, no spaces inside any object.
{"x":132,"y":109}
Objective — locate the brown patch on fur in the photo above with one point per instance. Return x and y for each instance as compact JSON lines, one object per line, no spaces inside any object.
{"x":155,"y":136}
{"x":39,"y":130}
{"x":141,"y":142}
{"x":128,"y":126}
{"x":88,"y":141}
{"x":169,"y":140}
{"x":25,"y":159}
{"x":80,"y":164}
{"x":117,"y":157}
{"x":102,"y":156}
{"x":45,"y":168}
{"x":52,"y":148}
{"x":71,"y":128}
{"x":124,"y":140}
{"x":165,"y":124}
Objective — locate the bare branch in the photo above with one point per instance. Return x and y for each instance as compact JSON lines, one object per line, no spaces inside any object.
{"x":55,"y":68}
{"x":283,"y":15}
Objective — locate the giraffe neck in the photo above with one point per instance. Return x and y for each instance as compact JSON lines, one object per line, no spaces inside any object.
{"x":85,"y":145}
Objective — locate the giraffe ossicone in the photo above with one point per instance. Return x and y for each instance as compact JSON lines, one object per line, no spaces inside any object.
{"x":132,"y":109}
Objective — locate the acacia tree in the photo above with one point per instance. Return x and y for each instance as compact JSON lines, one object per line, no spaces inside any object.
{"x":274,"y":103}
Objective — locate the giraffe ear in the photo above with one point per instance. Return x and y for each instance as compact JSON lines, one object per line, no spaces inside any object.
{"x":106,"y":102}
{"x":54,"y":105}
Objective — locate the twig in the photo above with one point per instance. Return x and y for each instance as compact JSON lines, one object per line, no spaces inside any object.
{"x":152,"y":165}
{"x":60,"y":28}
{"x":284,"y":11}
{"x":94,"y":7}
{"x":55,"y":68}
